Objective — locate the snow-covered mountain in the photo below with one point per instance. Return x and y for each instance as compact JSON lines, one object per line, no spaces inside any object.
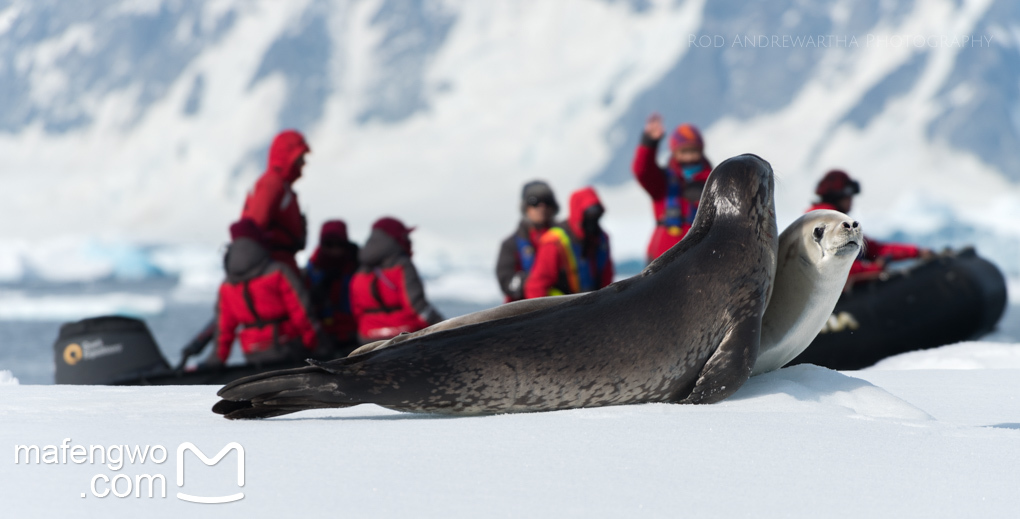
{"x":145,"y":121}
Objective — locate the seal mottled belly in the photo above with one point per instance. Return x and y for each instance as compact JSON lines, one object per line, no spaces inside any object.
{"x":687,"y":329}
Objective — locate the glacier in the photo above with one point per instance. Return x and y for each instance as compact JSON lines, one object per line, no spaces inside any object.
{"x":148,"y":120}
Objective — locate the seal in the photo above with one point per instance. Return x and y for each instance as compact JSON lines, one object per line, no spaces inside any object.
{"x":815,"y":254}
{"x":686,"y":330}
{"x":814,"y":259}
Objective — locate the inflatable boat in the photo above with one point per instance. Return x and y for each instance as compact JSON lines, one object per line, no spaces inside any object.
{"x":954,"y":297}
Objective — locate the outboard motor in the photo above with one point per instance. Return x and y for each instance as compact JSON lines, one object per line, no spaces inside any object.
{"x":106,"y":350}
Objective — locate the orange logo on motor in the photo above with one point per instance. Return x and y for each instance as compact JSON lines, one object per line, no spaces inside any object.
{"x":72,"y":354}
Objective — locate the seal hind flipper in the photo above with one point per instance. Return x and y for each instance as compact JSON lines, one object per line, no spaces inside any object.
{"x":281,"y":392}
{"x":730,"y":366}
{"x":261,"y":376}
{"x":225,"y":407}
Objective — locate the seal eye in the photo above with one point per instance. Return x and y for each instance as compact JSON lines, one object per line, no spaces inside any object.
{"x":819,"y":232}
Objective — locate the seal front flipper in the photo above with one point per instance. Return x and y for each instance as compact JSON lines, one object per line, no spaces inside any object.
{"x":503,"y":311}
{"x":730,"y":366}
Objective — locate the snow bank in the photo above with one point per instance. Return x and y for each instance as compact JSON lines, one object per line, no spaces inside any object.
{"x":90,"y":258}
{"x":964,"y":355}
{"x":803,"y":442}
{"x":74,"y":259}
{"x":824,"y":389}
{"x":7,"y":378}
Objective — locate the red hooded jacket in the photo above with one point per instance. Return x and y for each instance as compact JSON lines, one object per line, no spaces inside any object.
{"x":874,"y":249}
{"x":387,"y":296}
{"x":266,"y":299}
{"x":273,"y":204}
{"x":656,"y":181}
{"x":559,"y":259}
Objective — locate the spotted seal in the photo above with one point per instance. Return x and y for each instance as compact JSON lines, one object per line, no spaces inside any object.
{"x":686,"y":330}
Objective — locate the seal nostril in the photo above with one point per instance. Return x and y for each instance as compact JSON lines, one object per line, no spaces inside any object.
{"x":846,"y":225}
{"x":855,"y":224}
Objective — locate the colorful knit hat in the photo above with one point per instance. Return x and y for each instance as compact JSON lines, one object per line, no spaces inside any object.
{"x":686,"y":135}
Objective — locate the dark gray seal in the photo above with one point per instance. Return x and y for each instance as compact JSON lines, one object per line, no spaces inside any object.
{"x":814,"y":257}
{"x":686,"y":330}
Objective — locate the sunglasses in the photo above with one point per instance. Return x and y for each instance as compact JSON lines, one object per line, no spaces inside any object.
{"x":852,"y":188}
{"x":534,"y":201}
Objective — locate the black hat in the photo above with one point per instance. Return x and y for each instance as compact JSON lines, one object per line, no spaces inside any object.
{"x":536,"y":192}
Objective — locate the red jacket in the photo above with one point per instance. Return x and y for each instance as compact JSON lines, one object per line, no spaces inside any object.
{"x":265,"y":298}
{"x":387,"y":297}
{"x":656,"y":181}
{"x":559,"y":259}
{"x":874,"y":249}
{"x":516,"y":258}
{"x":273,"y":205}
{"x":330,"y":294}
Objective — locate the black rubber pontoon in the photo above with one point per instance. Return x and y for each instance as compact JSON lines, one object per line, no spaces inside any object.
{"x":954,"y":297}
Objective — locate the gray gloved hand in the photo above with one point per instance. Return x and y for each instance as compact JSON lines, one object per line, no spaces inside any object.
{"x":516,"y":284}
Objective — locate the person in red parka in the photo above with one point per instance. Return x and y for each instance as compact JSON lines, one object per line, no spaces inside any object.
{"x":573,"y":257}
{"x":328,"y":275}
{"x":675,"y":189}
{"x":387,"y":296}
{"x":273,"y":205}
{"x":266,"y":299}
{"x":835,"y":192}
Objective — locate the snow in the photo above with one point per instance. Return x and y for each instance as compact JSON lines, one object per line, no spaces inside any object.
{"x":799,"y":442}
{"x":514,"y":92}
{"x":964,"y":355}
{"x":22,"y":306}
{"x":7,"y":379}
{"x":76,"y":258}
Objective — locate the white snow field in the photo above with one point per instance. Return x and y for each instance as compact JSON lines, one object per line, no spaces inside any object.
{"x":503,"y":92}
{"x":800,"y":442}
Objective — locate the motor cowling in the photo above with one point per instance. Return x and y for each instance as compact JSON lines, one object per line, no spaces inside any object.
{"x":105,"y":350}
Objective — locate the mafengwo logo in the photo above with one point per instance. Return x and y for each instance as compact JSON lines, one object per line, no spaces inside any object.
{"x":150,"y":486}
{"x":188,"y":446}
